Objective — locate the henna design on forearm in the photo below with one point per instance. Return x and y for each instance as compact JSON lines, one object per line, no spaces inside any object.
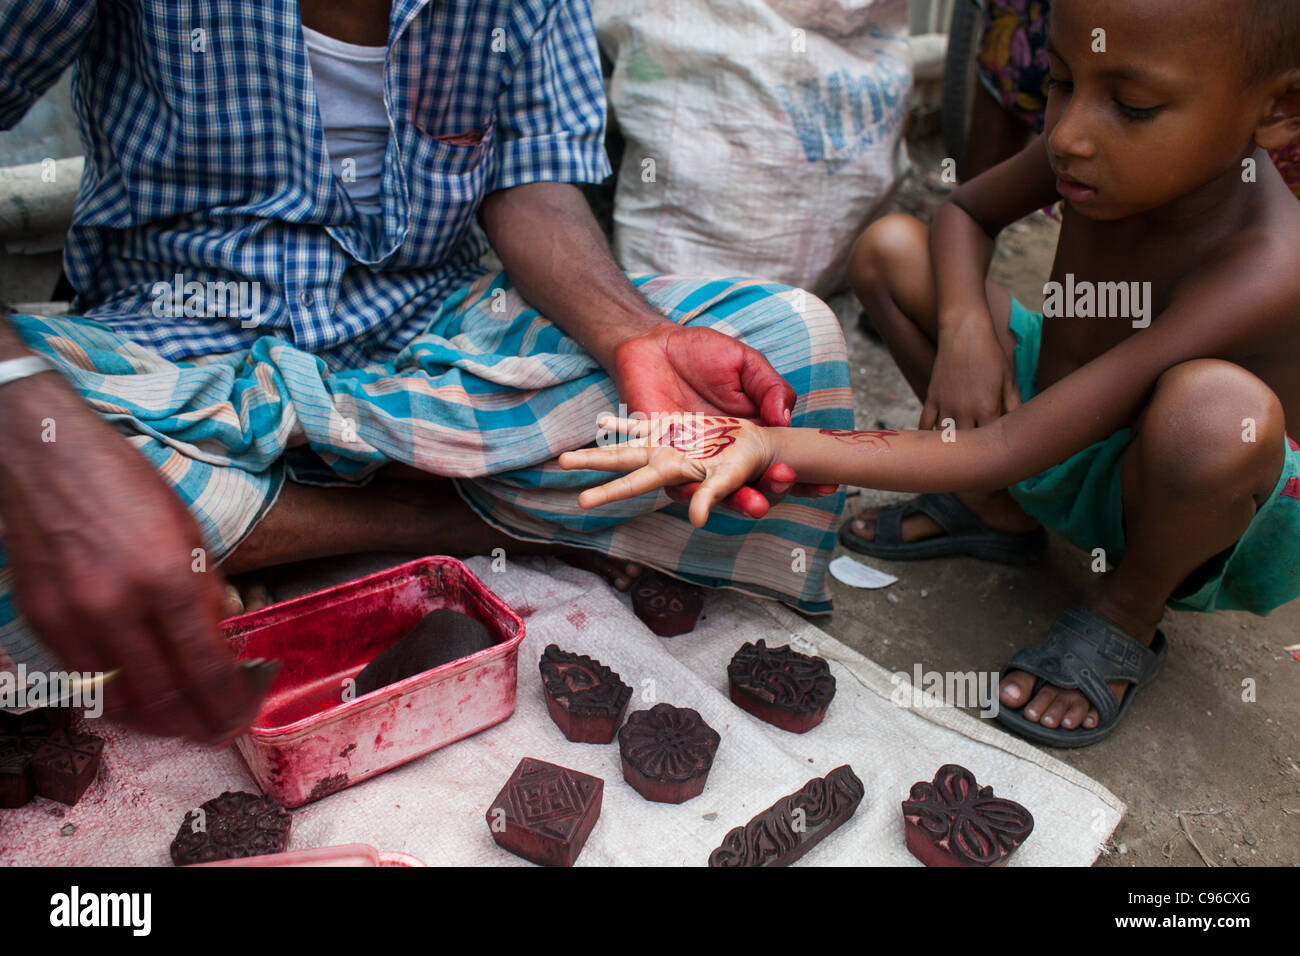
{"x":877,"y":440}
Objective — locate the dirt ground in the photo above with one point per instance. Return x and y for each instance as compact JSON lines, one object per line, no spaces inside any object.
{"x":1210,"y":778}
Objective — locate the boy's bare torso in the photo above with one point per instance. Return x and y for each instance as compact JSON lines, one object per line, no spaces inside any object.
{"x":1167,"y":257}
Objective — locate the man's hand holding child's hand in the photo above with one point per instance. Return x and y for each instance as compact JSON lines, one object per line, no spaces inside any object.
{"x":721,"y":452}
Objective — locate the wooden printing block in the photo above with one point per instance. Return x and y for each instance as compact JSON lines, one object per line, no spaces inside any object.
{"x":545,"y":813}
{"x":440,"y":637}
{"x":34,"y":726}
{"x":793,"y":825}
{"x":953,"y":821}
{"x":667,"y":752}
{"x":17,"y":784}
{"x":781,"y":686}
{"x":666,"y":605}
{"x":584,"y":697}
{"x":232,"y":826}
{"x":66,"y":764}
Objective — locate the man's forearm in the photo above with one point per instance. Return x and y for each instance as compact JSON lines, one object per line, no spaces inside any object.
{"x":11,"y":346}
{"x":556,"y":256}
{"x":26,"y":406}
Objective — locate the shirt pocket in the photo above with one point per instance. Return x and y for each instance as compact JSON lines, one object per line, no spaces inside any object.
{"x":447,"y":177}
{"x":462,"y":151}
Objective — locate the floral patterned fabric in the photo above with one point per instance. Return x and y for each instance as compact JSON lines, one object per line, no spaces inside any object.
{"x":1013,"y":62}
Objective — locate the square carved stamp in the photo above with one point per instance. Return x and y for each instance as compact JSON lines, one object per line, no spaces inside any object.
{"x":545,"y":812}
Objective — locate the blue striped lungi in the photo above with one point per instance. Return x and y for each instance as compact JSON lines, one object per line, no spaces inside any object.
{"x":489,"y":396}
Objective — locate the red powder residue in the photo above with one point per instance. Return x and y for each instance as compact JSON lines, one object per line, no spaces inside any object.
{"x":525,"y":610}
{"x":577,"y":619}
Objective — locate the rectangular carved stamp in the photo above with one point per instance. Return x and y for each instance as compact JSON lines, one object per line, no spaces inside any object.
{"x":793,"y":825}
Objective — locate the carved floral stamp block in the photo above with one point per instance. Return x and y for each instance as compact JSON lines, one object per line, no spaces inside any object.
{"x":781,"y":686}
{"x":232,"y":826}
{"x":666,"y":605}
{"x":953,"y":821}
{"x":667,"y":752}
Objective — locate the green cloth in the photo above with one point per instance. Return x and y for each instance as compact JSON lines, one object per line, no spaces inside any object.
{"x":1082,"y":500}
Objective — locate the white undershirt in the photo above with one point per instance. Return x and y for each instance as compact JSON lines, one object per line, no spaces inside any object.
{"x":350,"y":97}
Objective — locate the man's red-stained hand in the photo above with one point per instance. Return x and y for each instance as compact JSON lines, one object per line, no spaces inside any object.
{"x":103,"y":555}
{"x":673,"y":368}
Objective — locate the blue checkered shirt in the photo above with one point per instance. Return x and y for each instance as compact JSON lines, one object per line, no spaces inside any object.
{"x":206,"y":162}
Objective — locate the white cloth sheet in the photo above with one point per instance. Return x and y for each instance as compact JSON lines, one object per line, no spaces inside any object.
{"x":434,"y":807}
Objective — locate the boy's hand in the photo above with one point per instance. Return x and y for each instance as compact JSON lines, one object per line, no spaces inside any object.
{"x":721,"y":452}
{"x":671,"y":368}
{"x":971,"y":382}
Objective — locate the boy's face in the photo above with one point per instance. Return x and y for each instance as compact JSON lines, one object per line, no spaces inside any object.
{"x":1148,"y":101}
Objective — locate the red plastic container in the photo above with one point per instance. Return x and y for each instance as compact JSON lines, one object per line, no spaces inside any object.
{"x":308,"y":742}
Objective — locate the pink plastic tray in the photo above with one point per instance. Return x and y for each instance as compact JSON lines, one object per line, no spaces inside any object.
{"x":351,"y":854}
{"x":308,"y":742}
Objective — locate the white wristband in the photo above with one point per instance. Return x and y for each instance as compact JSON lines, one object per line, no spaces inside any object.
{"x":14,"y":369}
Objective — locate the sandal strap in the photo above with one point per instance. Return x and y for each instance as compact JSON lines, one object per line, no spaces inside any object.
{"x":949,"y":513}
{"x":946,"y":511}
{"x":1084,"y":651}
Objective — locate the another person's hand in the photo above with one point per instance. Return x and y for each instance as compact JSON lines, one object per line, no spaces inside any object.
{"x":720,"y":453}
{"x":673,"y":368}
{"x":104,"y":557}
{"x":972,"y":382}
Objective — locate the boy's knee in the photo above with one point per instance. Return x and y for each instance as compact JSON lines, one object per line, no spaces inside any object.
{"x":886,"y":247}
{"x":1211,"y":423}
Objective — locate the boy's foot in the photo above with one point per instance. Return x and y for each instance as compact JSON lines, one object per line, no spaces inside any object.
{"x":988,"y":525}
{"x":996,"y":510}
{"x":1086,"y":649}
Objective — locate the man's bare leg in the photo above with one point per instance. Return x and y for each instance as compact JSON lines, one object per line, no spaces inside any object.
{"x":425,"y":517}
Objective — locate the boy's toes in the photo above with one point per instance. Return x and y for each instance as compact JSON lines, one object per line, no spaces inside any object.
{"x":1037,"y":708}
{"x":864,"y":527}
{"x":1077,"y":710}
{"x":1016,"y":688}
{"x":1091,"y":720}
{"x":1066,"y":710}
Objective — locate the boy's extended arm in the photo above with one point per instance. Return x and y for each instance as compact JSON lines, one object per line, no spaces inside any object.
{"x":1232,"y":312}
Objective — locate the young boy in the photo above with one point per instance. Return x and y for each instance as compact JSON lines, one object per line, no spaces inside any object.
{"x":1155,"y":392}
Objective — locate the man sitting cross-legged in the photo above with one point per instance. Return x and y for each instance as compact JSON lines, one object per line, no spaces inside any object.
{"x":276,"y":257}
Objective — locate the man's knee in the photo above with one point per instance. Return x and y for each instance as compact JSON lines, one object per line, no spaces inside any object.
{"x":1211,"y":426}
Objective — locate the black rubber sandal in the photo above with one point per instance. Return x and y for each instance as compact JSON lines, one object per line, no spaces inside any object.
{"x":1083,"y":651}
{"x":966,"y":534}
